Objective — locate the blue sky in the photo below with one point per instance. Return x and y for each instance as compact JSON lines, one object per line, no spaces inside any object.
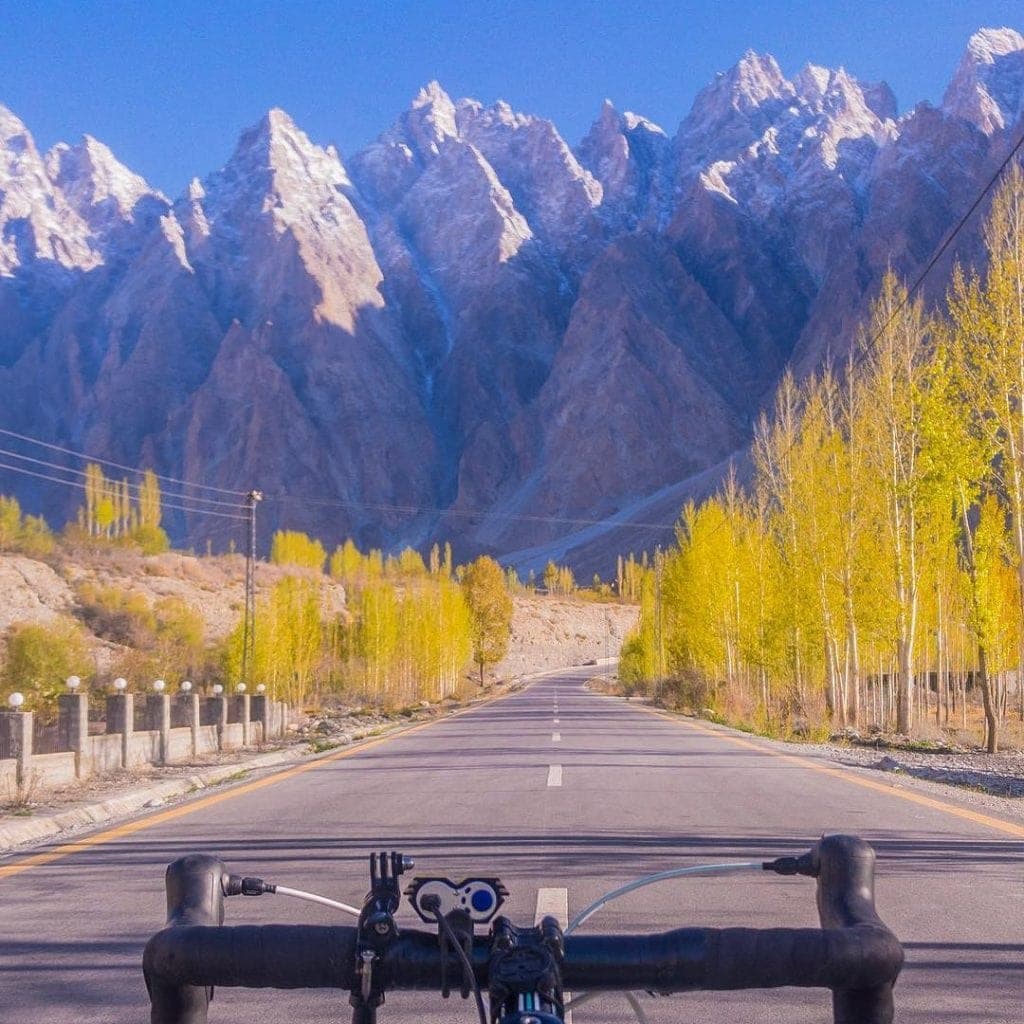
{"x":169,"y":86}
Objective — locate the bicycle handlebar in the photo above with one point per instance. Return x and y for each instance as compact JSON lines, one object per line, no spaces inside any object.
{"x":854,"y":954}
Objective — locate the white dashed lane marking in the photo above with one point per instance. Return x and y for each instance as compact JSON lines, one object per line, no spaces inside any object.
{"x":556,"y":737}
{"x":554,"y":775}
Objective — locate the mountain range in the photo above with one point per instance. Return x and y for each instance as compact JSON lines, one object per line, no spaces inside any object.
{"x":471,"y":330}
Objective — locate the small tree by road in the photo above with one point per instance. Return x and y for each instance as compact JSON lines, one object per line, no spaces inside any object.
{"x":490,"y":606}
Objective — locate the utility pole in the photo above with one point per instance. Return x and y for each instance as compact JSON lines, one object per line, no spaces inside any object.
{"x":249,"y":624}
{"x":608,"y":645}
{"x":658,"y":562}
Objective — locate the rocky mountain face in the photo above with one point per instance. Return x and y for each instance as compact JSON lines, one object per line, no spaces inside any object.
{"x":470,"y":330}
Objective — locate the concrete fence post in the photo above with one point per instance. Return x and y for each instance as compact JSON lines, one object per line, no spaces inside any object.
{"x":121,"y":718}
{"x":243,"y":705}
{"x":259,"y":709}
{"x":18,"y":726}
{"x":190,"y":701}
{"x":158,"y":714}
{"x":219,"y":706}
{"x":73,"y":723}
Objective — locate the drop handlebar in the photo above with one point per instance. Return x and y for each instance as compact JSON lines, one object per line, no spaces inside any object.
{"x":853,"y":954}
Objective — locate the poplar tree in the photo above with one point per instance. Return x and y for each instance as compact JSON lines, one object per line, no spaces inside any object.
{"x":490,"y":607}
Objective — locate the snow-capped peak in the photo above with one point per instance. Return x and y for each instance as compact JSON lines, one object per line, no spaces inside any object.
{"x":430,"y":119}
{"x":813,"y":80}
{"x":433,"y":92}
{"x":988,"y":88}
{"x":754,"y":80}
{"x":623,"y":151}
{"x":280,"y":184}
{"x":987,"y":44}
{"x":36,"y":221}
{"x":634,"y":121}
{"x":11,"y":126}
{"x":275,"y":155}
{"x":735,"y":109}
{"x":99,"y":187}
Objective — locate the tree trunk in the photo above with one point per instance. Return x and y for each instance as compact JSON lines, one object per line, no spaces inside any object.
{"x":853,"y":656}
{"x":904,"y":707}
{"x":991,"y":722}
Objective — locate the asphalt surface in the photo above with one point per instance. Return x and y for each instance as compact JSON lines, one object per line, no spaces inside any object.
{"x":471,"y":795}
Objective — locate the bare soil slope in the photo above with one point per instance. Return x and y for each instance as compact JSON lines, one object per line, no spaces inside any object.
{"x":547,"y":631}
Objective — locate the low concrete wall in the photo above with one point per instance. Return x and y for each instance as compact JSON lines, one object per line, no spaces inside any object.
{"x":179,"y":744}
{"x":104,"y":753}
{"x":53,"y":769}
{"x":107,"y":753}
{"x":207,"y":739}
{"x":144,"y":748}
{"x":232,"y":738}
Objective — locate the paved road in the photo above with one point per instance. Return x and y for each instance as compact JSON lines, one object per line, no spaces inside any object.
{"x":471,"y":794}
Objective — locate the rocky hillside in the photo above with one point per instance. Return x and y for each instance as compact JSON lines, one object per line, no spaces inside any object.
{"x":547,"y":632}
{"x":470,"y":329}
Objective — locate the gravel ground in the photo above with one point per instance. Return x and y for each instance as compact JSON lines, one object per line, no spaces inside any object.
{"x":994,"y":782}
{"x":999,"y":774}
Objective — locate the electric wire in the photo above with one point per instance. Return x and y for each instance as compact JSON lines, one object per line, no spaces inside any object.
{"x":285,"y":498}
{"x":944,"y":245}
{"x":131,"y":486}
{"x":117,"y":465}
{"x":858,"y":357}
{"x":436,"y":510}
{"x":855,"y":360}
{"x":862,"y":354}
{"x":80,"y":485}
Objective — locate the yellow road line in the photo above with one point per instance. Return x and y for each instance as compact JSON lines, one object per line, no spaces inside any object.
{"x":129,"y":828}
{"x":1007,"y":827}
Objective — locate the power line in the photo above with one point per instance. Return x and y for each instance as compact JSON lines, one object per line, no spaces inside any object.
{"x":436,"y":510}
{"x":131,"y":486}
{"x":858,"y":357}
{"x":119,"y":465}
{"x":940,"y":251}
{"x":80,"y":485}
{"x":296,"y":499}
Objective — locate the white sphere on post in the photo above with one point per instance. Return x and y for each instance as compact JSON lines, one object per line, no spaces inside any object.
{"x":73,"y":683}
{"x":16,"y":699}
{"x":120,"y":684}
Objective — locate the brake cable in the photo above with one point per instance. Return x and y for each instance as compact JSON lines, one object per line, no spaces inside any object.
{"x":640,"y":883}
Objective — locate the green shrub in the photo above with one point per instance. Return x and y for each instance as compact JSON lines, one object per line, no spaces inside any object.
{"x":41,"y":657}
